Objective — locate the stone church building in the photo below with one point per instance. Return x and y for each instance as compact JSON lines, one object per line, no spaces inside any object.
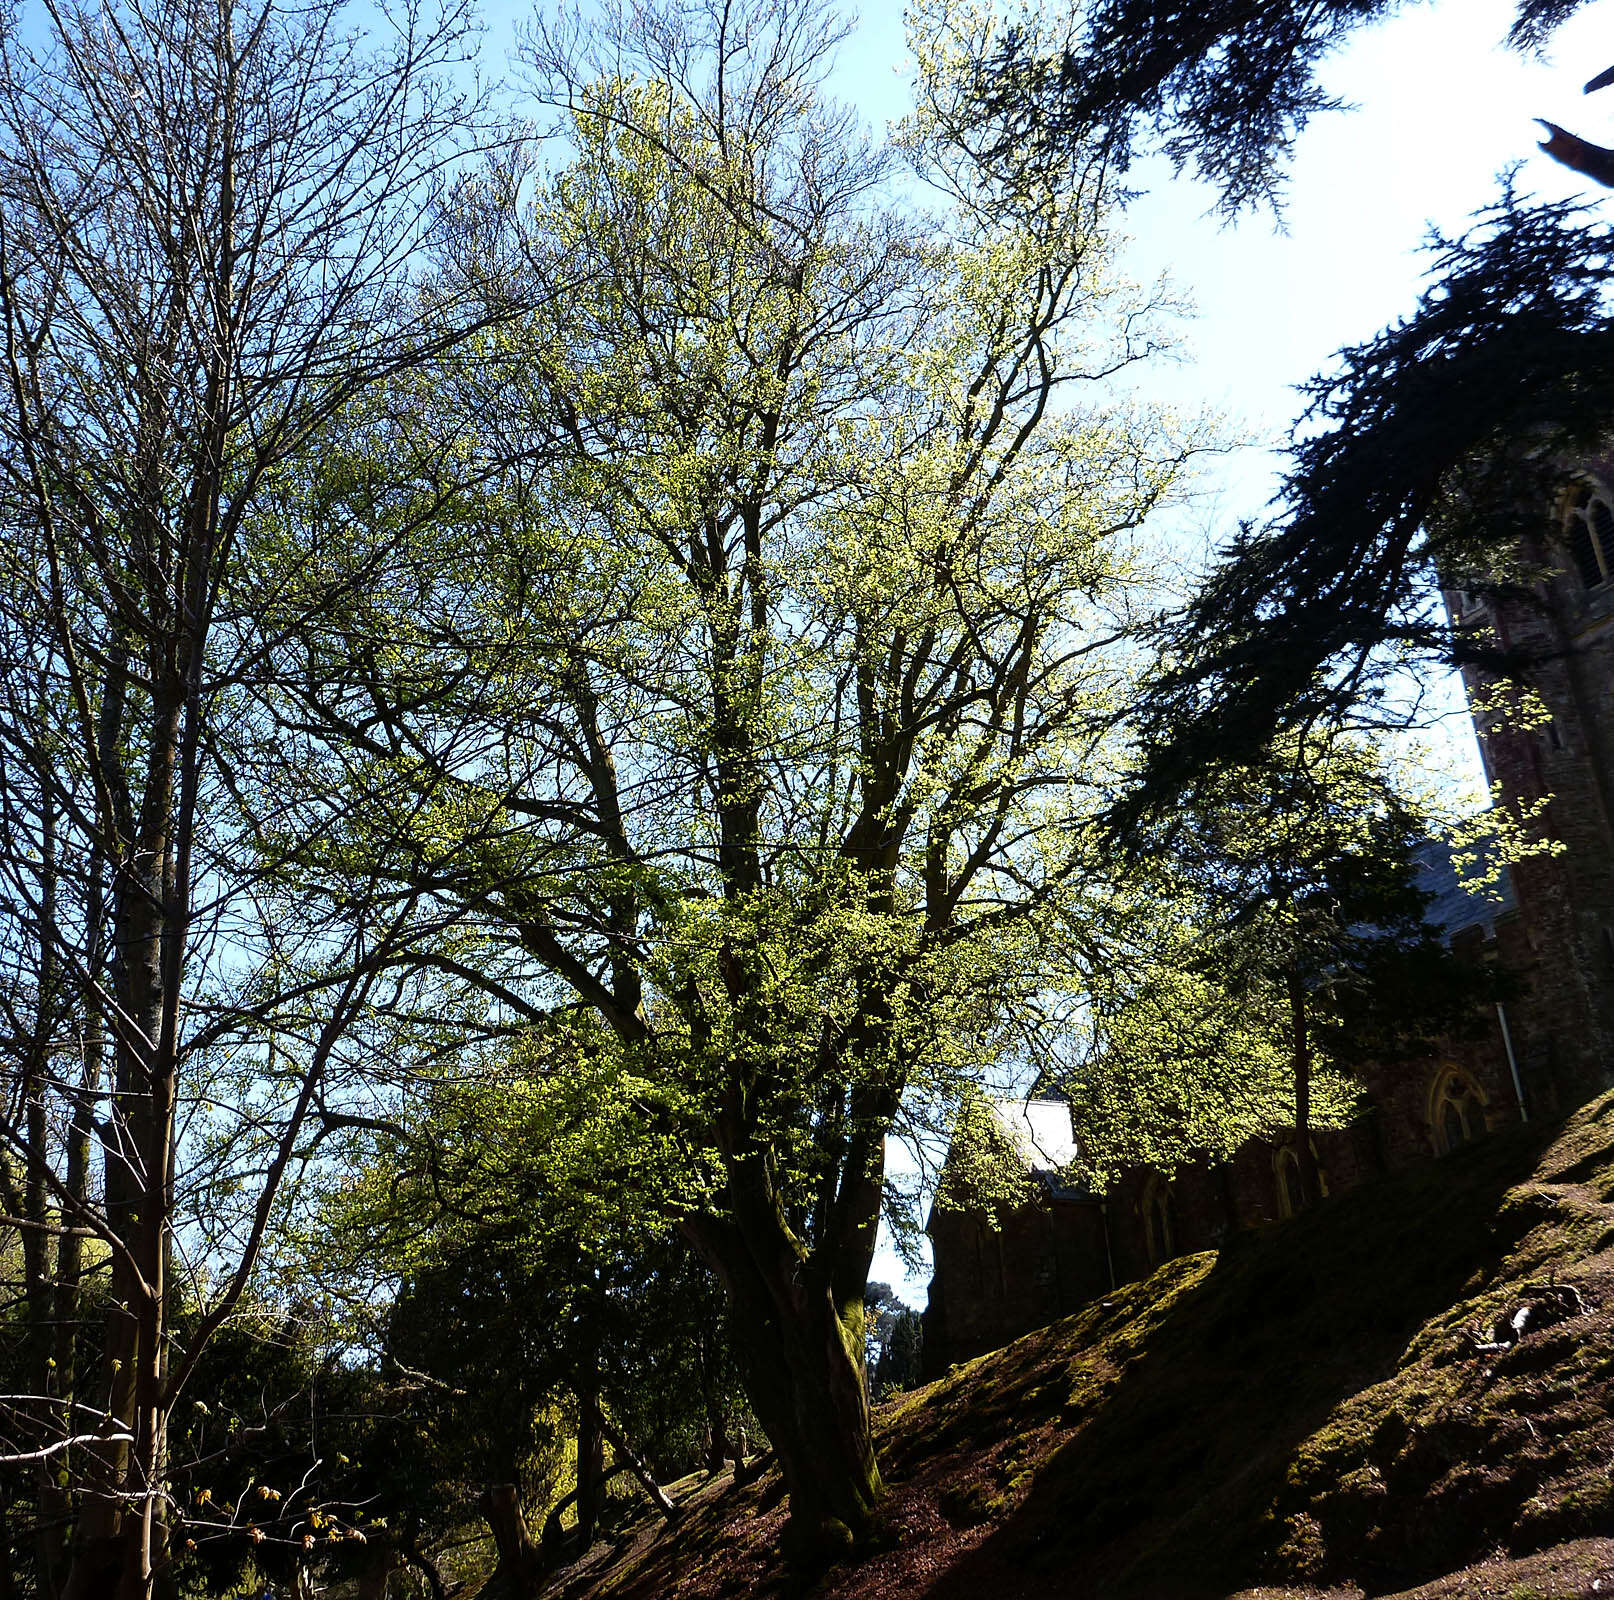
{"x":1547,"y":1049}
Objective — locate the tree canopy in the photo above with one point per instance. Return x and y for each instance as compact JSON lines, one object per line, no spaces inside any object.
{"x":1435,"y":454}
{"x":760,"y":686}
{"x":560,"y":688}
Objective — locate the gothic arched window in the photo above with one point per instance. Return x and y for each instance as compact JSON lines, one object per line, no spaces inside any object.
{"x":1291,"y":1196}
{"x":1290,"y":1199}
{"x":1456,"y":1111}
{"x":1589,"y":530}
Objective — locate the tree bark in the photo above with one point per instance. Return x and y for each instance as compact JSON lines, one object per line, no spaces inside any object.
{"x":1578,"y":154}
{"x":11,"y":1555}
{"x":718,"y":1449}
{"x":381,"y":1560}
{"x":1305,"y":1156}
{"x":55,"y":1502}
{"x":414,"y":1553}
{"x":42,"y":1270}
{"x":554,"y":1536}
{"x":119,"y":1545}
{"x":590,"y":1464}
{"x":629,"y":1458}
{"x":520,"y":1569}
{"x":801,"y":1360}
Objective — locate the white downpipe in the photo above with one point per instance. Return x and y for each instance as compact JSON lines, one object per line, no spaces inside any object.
{"x":1513,"y":1061}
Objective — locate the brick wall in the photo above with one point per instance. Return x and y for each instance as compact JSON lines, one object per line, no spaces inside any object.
{"x":991,"y":1284}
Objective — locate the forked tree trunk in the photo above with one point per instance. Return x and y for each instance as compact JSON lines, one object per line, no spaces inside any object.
{"x":801,"y":1361}
{"x":554,"y":1536}
{"x":520,"y":1569}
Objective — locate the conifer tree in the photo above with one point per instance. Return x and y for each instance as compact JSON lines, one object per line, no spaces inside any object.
{"x":1222,"y":87}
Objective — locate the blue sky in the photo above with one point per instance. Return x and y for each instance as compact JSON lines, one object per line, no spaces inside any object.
{"x":1440,"y":110}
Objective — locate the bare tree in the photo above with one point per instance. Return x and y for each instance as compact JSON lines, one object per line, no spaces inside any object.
{"x":210,"y":215}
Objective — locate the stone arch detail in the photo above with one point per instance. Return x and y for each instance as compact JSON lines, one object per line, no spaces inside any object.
{"x":1458,"y":1111}
{"x":1286,"y":1176}
{"x":1159,"y":1220}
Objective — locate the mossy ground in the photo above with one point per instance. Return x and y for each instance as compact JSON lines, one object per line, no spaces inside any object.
{"x":1304,"y":1408}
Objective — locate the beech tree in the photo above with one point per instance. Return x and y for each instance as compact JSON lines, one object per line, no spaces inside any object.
{"x":208,"y":219}
{"x":763,"y":687}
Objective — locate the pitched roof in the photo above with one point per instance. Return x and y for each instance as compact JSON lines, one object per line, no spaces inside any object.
{"x":1040,"y":1131}
{"x":1454,"y":906}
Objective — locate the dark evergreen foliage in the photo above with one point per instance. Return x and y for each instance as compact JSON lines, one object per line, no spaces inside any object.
{"x":1225,"y":85}
{"x":900,"y":1361}
{"x":893,"y":1336}
{"x":509,"y":1332}
{"x":1381,"y":983}
{"x":273,"y":1467}
{"x":1437,"y":447}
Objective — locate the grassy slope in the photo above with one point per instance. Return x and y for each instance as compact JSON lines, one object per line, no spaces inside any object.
{"x":1302,"y":1408}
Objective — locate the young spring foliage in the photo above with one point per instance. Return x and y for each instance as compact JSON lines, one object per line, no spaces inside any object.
{"x":1287,"y":953}
{"x":761,"y":685}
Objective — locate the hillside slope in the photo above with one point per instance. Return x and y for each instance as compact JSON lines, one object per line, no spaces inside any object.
{"x":1314,"y":1406}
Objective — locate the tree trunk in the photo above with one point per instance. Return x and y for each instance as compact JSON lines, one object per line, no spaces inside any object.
{"x":119,"y":1545}
{"x":801,"y":1361}
{"x":410,"y":1547}
{"x":554,"y":1535}
{"x":520,"y":1571}
{"x":10,"y":1549}
{"x":57,"y":1504}
{"x":42,"y":1267}
{"x":629,"y":1458}
{"x":718,"y":1449}
{"x":717,"y":1423}
{"x":590,"y":1464}
{"x":380,"y":1561}
{"x":99,"y":1541}
{"x":1305,"y":1156}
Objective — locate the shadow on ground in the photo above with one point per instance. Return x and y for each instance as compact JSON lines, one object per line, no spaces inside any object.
{"x":1307,"y":1407}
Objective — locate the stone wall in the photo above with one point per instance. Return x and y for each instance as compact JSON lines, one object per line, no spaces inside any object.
{"x":998,"y":1278}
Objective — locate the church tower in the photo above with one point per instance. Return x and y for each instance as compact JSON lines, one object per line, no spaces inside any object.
{"x":1559,"y":941}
